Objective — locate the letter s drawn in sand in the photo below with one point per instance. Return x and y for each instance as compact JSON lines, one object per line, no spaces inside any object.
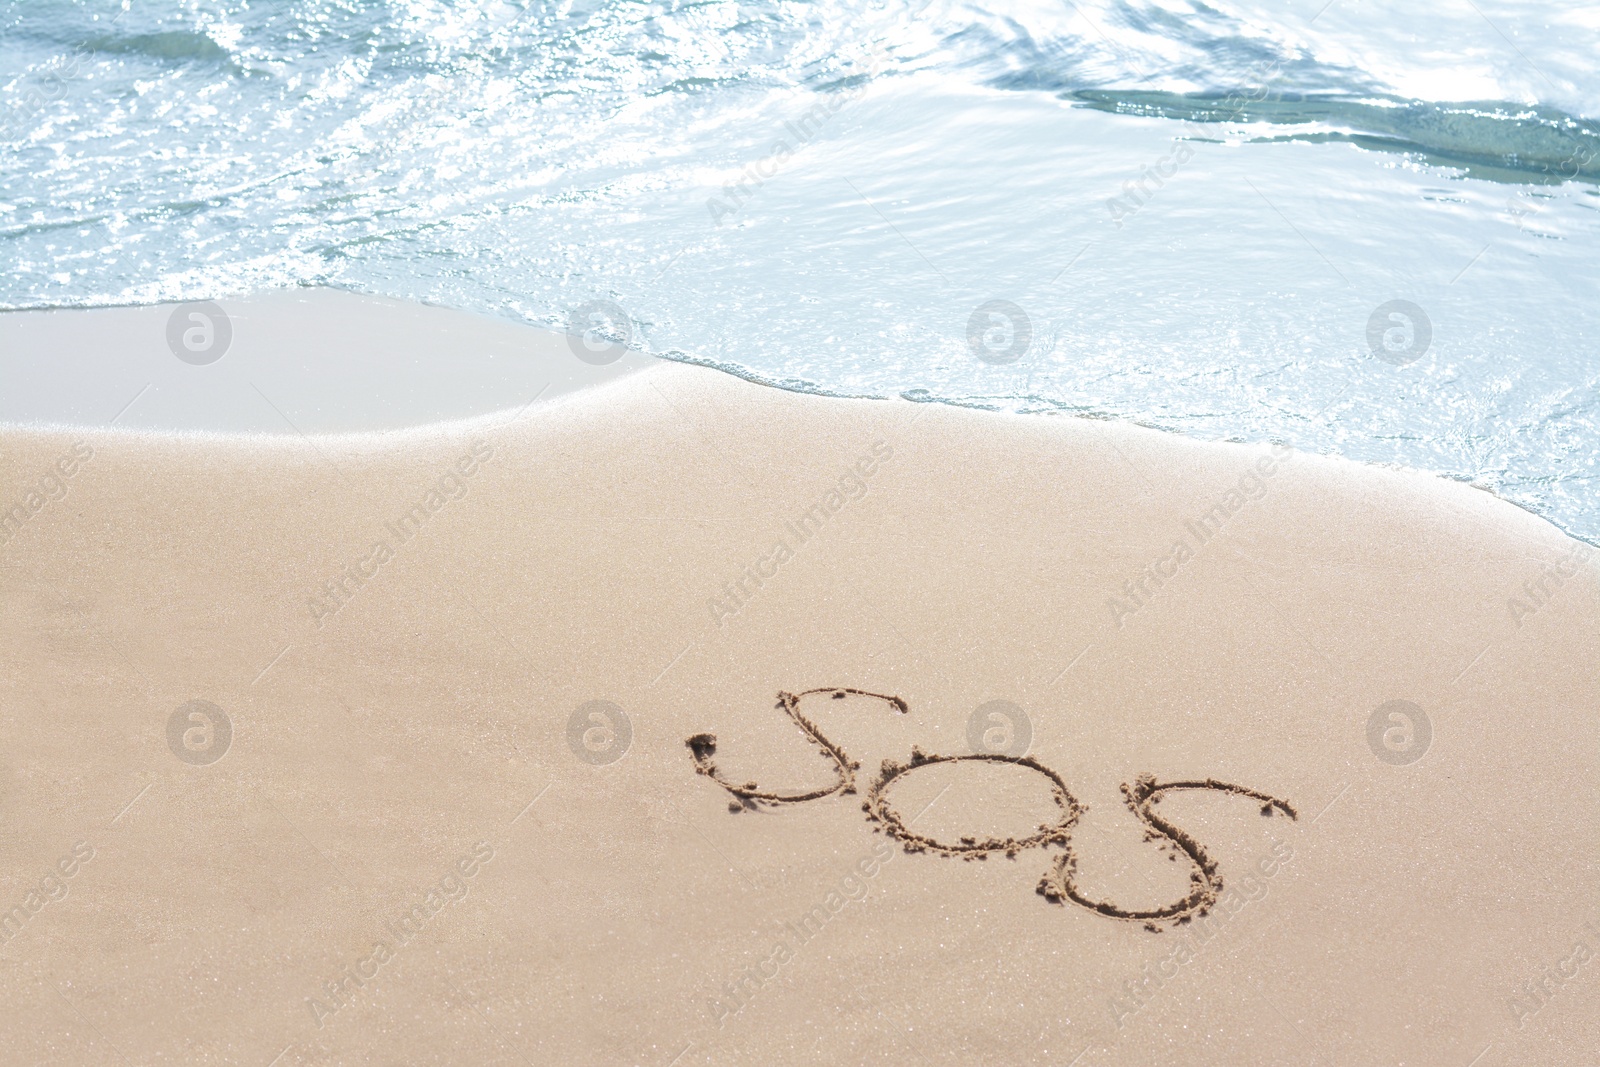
{"x":704,"y":747}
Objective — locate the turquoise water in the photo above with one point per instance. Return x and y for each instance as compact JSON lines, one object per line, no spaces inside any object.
{"x":1365,"y":231}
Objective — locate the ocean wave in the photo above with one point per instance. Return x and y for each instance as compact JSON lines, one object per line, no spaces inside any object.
{"x":1495,"y":141}
{"x":1202,"y":209}
{"x":164,"y":47}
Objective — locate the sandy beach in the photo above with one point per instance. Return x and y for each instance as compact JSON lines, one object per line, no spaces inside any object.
{"x":622,"y":730}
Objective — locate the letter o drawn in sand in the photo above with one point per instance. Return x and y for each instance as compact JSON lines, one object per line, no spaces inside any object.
{"x":879,"y":810}
{"x":199,"y":333}
{"x":199,"y":733}
{"x":599,"y":732}
{"x":1399,"y":733}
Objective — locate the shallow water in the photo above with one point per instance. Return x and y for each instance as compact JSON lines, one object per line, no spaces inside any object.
{"x":1196,"y":216}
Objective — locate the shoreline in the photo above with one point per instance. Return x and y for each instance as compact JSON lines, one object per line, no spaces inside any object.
{"x":546,"y":354}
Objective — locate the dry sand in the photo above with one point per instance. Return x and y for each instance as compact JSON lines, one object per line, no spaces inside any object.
{"x":401,"y":846}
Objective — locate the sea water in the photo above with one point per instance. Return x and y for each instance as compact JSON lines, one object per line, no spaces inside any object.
{"x":1361,"y":229}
